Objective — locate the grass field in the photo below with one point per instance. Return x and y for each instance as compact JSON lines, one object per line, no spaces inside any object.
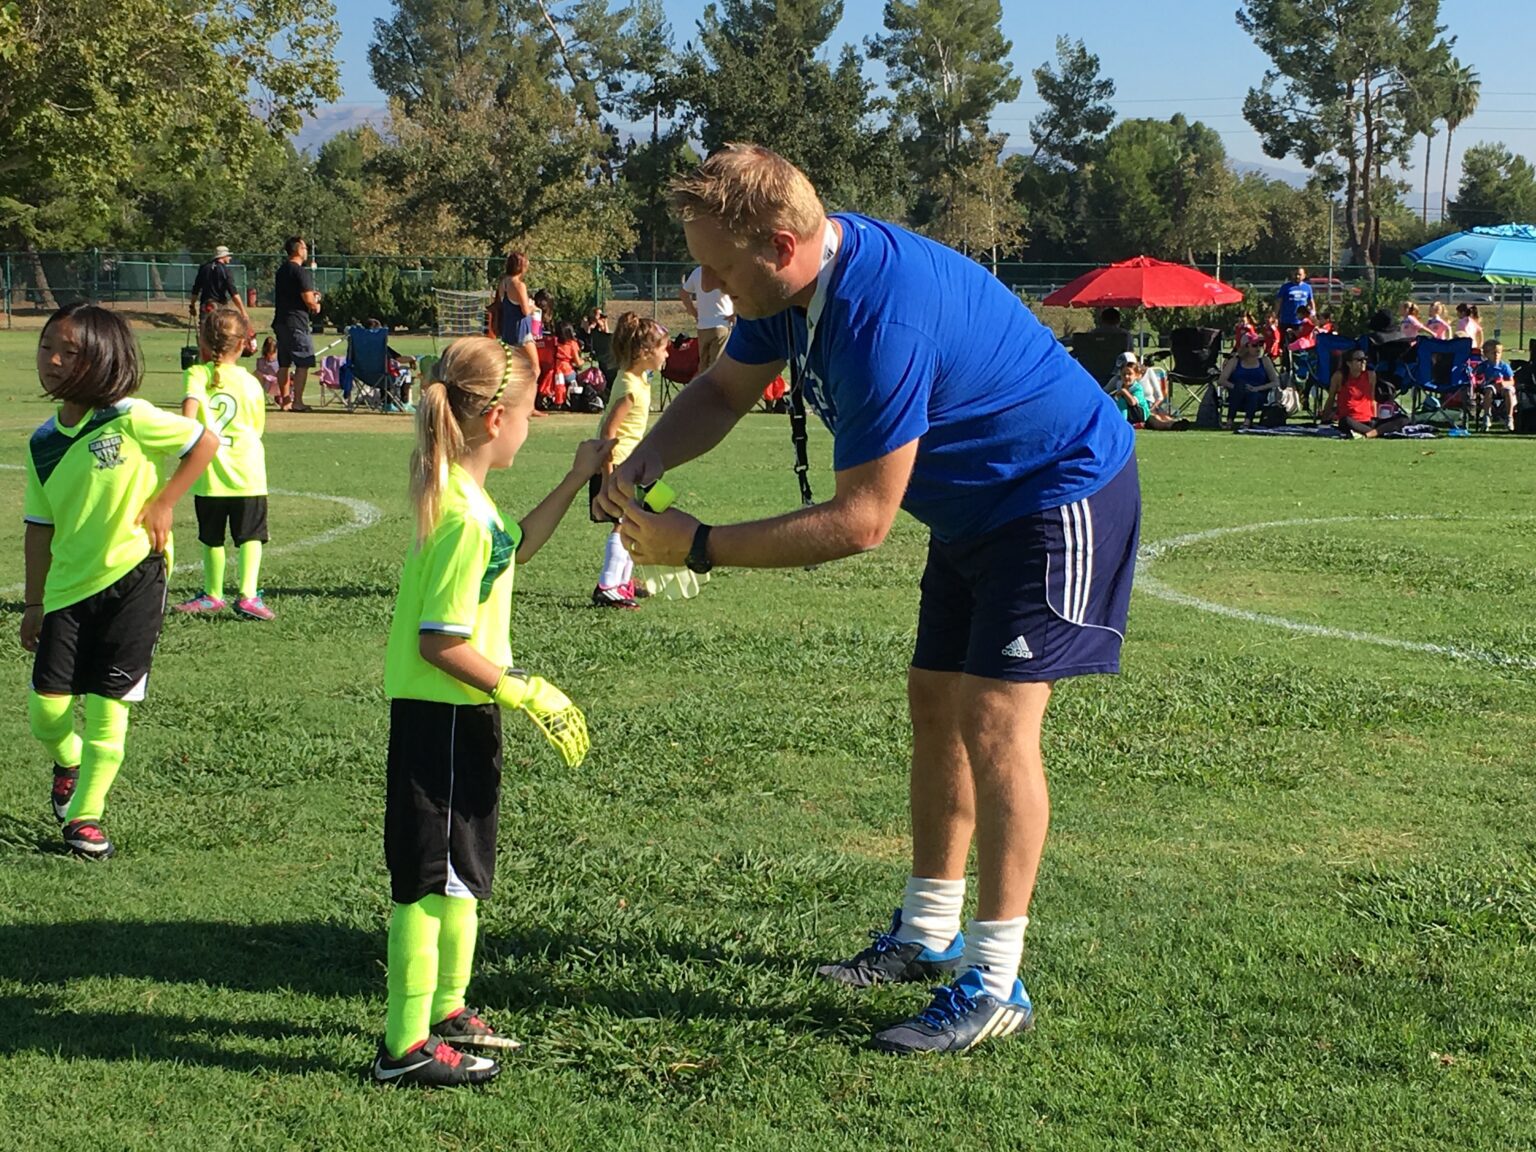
{"x":1289,"y":900}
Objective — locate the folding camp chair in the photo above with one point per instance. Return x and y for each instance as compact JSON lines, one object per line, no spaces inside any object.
{"x":365,"y":379}
{"x":1097,"y":352}
{"x":1196,"y":364}
{"x":1440,"y":379}
{"x":1328,"y":358}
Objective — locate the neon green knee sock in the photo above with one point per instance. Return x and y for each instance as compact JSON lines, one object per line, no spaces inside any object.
{"x":106,"y":728}
{"x":250,"y":568}
{"x":459,"y":916}
{"x":213,"y":571}
{"x":412,"y":976}
{"x":53,"y":723}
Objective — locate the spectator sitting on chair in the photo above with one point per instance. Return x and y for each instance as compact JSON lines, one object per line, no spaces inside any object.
{"x":1493,"y":376}
{"x":1134,"y":392}
{"x":1352,"y":397}
{"x":568,"y":359}
{"x":593,"y":321}
{"x":543,"y":313}
{"x":1247,"y":377}
{"x":1109,"y":321}
{"x":214,"y":287}
{"x":1304,"y":335}
{"x":400,"y":368}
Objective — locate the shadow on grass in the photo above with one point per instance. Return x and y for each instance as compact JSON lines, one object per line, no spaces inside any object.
{"x":47,"y":1024}
{"x":534,"y":970}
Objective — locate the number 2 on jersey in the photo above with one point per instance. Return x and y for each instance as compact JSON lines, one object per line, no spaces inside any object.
{"x":222,"y":407}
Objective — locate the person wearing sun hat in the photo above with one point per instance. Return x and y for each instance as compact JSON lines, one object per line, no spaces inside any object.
{"x":214,"y":286}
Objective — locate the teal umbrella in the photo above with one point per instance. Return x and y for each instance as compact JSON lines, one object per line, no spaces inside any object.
{"x":1503,"y":254}
{"x":1500,"y":254}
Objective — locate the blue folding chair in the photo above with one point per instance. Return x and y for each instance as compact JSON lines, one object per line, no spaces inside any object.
{"x":365,"y":379}
{"x":1440,"y":376}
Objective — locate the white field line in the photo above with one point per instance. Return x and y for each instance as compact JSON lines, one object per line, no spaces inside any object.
{"x":362,"y":515}
{"x":1150,"y":584}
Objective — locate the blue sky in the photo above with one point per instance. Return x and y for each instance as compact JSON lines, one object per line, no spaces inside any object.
{"x":1188,"y":57}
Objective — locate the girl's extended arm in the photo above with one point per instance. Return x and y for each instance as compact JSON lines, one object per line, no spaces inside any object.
{"x":540,"y":524}
{"x":460,"y":659}
{"x":156,"y":514}
{"x":37,"y":552}
{"x":189,"y":408}
{"x":615,"y":413}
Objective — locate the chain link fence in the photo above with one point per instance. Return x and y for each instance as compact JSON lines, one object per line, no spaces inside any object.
{"x":157,"y":286}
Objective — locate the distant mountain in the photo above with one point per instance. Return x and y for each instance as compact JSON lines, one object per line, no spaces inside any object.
{"x":1271,"y":172}
{"x":334,"y":118}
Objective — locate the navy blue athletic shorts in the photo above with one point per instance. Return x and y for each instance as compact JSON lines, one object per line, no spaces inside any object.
{"x":1041,"y":598}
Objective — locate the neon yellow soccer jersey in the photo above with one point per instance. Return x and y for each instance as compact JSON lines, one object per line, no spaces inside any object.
{"x":458,"y":582}
{"x":236,"y":410}
{"x":637,"y":386}
{"x":90,"y":482}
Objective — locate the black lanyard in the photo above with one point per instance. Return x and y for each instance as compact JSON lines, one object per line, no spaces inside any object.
{"x":797,"y":430}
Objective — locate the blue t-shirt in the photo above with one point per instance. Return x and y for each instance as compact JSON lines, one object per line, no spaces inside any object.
{"x":917,"y":342}
{"x":1293,"y":297}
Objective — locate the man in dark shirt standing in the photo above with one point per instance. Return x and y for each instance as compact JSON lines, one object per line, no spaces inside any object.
{"x":214,"y":286}
{"x":294,"y":299}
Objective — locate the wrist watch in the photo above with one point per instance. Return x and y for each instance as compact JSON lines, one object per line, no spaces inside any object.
{"x":698,"y":555}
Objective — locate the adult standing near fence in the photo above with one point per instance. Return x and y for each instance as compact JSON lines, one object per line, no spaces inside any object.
{"x":214,"y":287}
{"x":713,"y":310}
{"x":958,"y":405}
{"x":1292,"y":296}
{"x":294,"y":301}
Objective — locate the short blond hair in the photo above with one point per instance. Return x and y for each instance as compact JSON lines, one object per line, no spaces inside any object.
{"x":751,"y":192}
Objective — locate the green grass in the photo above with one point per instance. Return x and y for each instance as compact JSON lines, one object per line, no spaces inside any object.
{"x":1289,"y":898}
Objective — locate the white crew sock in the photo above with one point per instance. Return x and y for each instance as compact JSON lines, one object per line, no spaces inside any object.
{"x":615,"y":560}
{"x":930,"y":912}
{"x":996,"y":947}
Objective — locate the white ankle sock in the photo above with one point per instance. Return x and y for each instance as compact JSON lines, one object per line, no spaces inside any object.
{"x":996,"y":947}
{"x":614,"y":560}
{"x":930,"y":911}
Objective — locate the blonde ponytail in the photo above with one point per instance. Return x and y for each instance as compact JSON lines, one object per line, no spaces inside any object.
{"x":474,"y":374}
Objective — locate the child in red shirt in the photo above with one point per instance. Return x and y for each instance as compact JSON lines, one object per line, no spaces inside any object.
{"x":567,"y":357}
{"x":1272,"y":337}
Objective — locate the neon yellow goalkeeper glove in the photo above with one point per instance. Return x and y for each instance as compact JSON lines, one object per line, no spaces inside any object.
{"x":561,"y":721}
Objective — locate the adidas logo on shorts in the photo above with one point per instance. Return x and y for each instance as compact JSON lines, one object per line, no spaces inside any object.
{"x":1019,"y":649}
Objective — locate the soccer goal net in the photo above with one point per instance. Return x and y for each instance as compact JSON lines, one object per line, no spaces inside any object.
{"x":460,"y":313}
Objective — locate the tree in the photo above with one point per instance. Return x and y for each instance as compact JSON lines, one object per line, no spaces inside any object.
{"x":1497,"y":187}
{"x":89,"y":82}
{"x":947,"y":63}
{"x":1460,"y":94}
{"x":978,"y":213}
{"x":1163,"y":188}
{"x":426,"y":42}
{"x":756,"y":77}
{"x":1336,"y":92}
{"x":1077,"y":111}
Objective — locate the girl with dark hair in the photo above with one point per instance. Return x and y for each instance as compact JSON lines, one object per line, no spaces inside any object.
{"x":98,"y":525}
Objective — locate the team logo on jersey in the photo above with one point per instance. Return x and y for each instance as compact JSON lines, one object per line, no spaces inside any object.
{"x":108,"y":451}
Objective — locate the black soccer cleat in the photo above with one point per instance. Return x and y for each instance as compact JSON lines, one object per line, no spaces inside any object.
{"x":959,"y":1017}
{"x":465,"y":1029}
{"x":433,"y":1064}
{"x":87,"y":839}
{"x":892,"y":961}
{"x":64,"y":781}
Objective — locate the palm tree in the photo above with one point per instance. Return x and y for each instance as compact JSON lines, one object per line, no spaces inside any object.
{"x":1460,"y":102}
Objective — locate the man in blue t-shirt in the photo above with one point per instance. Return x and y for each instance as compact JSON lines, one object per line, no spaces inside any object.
{"x":1294,"y":295}
{"x":944,"y":396}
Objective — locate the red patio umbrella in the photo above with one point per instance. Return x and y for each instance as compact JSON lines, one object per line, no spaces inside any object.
{"x":1143,"y":282}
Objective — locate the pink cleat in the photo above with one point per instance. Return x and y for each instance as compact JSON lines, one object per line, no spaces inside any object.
{"x":253,"y":608}
{"x":201,"y":605}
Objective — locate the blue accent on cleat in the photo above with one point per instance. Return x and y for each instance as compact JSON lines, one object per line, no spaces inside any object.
{"x":891,"y":961}
{"x":959,"y":1017}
